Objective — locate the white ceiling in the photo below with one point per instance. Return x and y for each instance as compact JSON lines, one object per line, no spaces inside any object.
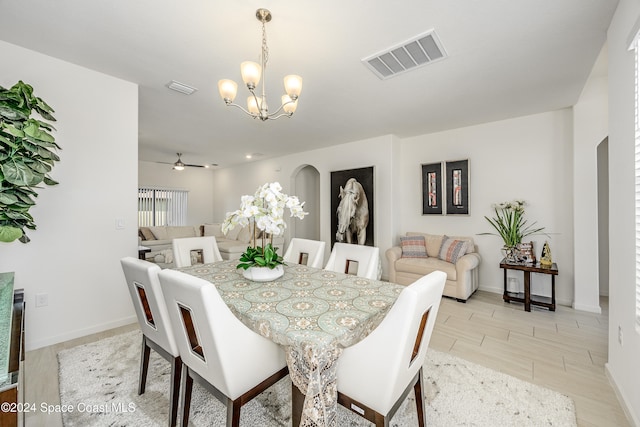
{"x":507,"y":58}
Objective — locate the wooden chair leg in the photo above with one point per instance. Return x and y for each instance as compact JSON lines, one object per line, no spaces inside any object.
{"x":174,"y":393}
{"x":418,"y":389}
{"x":187,"y":386}
{"x":144,"y":365}
{"x":233,"y":413}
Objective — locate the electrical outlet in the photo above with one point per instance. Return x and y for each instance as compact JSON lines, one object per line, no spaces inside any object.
{"x":42,"y":300}
{"x":620,"y":341}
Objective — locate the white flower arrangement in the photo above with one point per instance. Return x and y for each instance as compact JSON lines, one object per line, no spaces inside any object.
{"x":266,"y":209}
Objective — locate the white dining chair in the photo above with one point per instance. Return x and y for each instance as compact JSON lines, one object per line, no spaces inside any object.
{"x":300,"y":250}
{"x":157,"y":333}
{"x":182,"y":250}
{"x":376,"y":374}
{"x":218,"y":351}
{"x":345,"y":254}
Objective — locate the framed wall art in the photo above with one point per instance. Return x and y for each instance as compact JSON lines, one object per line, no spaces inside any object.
{"x":352,"y":188}
{"x":432,"y":189}
{"x":457,"y":185}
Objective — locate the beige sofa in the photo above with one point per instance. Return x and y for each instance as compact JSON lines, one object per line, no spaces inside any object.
{"x":408,"y":265}
{"x":231,"y":246}
{"x":159,"y":238}
{"x":235,"y":242}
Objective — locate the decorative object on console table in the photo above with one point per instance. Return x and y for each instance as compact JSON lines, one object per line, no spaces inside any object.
{"x":511,"y":226}
{"x":525,"y":252}
{"x":457,"y":187}
{"x":545,"y":257}
{"x":432,"y":189}
{"x":263,"y":211}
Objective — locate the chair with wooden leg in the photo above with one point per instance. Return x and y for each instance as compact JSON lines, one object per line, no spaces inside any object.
{"x":378,"y":373}
{"x":182,"y":248}
{"x":218,"y":351}
{"x":345,"y":255}
{"x":305,"y":251}
{"x":157,"y":334}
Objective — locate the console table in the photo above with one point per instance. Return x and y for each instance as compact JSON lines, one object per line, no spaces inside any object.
{"x":526,"y":297}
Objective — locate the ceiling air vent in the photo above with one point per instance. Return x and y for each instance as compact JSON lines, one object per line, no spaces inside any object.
{"x":411,"y":54}
{"x":181,"y":87}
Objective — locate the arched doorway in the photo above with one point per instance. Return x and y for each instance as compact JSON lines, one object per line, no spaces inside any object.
{"x":306,"y":185}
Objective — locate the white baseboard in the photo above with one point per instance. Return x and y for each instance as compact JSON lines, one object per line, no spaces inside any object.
{"x":589,"y":308}
{"x":623,"y":402}
{"x":80,"y":333}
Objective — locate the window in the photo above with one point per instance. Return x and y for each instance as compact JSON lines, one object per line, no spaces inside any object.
{"x":162,"y":206}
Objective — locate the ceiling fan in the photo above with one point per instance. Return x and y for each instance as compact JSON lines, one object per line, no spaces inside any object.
{"x":180,"y":165}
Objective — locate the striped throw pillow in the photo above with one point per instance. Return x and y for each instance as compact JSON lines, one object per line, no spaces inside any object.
{"x":452,"y":249}
{"x":413,"y":247}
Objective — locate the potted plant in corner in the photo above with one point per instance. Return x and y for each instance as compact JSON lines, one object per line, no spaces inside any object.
{"x":264,"y":211}
{"x":510,"y":224}
{"x":26,"y":158}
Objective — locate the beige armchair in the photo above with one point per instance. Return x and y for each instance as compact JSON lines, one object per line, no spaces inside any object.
{"x":462,"y":275}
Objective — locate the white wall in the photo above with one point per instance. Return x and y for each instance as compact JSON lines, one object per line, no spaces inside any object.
{"x":590,"y":127}
{"x":74,"y":255}
{"x":623,"y":358}
{"x":231,"y":183}
{"x":503,"y":158}
{"x":198,"y":181}
{"x":525,"y":158}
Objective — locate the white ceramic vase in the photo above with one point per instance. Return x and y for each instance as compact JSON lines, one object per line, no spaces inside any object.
{"x":263,"y":274}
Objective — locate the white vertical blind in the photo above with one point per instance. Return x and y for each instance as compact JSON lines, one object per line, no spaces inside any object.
{"x":162,"y":206}
{"x":637,"y":183}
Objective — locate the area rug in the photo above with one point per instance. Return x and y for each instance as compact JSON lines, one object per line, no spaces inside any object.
{"x":98,"y":382}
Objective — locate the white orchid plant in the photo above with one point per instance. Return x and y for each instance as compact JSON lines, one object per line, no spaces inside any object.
{"x":265,"y":211}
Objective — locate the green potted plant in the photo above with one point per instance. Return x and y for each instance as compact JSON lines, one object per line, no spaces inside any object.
{"x":510,"y":224}
{"x":27,"y":155}
{"x":263,"y":211}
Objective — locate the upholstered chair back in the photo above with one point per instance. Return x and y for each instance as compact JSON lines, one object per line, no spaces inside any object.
{"x":148,"y":301}
{"x":212,"y":341}
{"x":377,"y":370}
{"x":300,"y":249}
{"x":367,"y":257}
{"x":182,"y":250}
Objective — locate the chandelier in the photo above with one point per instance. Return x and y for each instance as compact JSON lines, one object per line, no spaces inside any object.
{"x":251,"y":71}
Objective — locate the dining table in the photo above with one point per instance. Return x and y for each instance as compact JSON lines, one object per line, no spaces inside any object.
{"x":314,"y":314}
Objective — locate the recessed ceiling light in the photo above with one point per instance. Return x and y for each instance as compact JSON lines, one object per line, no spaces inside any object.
{"x":248,"y":156}
{"x":181,"y":87}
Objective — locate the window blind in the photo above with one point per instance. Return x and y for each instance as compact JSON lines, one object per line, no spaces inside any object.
{"x":637,"y":182}
{"x":162,"y":206}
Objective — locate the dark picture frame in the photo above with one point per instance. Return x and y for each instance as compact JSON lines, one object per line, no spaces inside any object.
{"x":457,"y":187}
{"x":432,"y":201}
{"x":365,"y":176}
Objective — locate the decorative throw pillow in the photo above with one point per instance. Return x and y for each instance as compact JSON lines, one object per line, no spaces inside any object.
{"x":233,"y":233}
{"x":213,"y":230}
{"x":413,"y":247}
{"x":146,"y":234}
{"x":452,"y":249}
{"x":244,"y":235}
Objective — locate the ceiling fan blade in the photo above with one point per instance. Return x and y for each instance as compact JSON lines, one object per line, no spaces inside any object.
{"x":201,"y":166}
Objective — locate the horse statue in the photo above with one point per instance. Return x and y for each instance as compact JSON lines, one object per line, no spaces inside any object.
{"x":353,"y":213}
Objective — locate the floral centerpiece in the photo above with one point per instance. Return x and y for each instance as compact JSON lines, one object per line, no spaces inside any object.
{"x":510,"y":224}
{"x":264,"y":212}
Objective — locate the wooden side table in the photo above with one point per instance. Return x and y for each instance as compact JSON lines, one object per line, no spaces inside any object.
{"x":143,"y":251}
{"x":526,"y":297}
